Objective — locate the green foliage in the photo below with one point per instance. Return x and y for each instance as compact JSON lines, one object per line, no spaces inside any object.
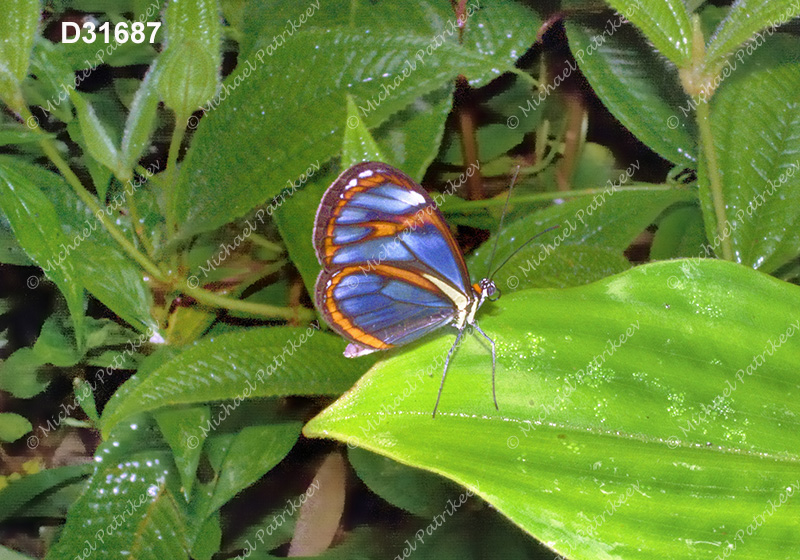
{"x":168,"y":191}
{"x":764,"y":188}
{"x":630,"y":382}
{"x":19,"y":18}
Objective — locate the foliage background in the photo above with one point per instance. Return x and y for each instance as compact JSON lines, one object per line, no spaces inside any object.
{"x":167,"y":393}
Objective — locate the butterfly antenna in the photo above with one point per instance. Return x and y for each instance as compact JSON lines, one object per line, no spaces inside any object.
{"x":521,"y":247}
{"x":502,"y":217}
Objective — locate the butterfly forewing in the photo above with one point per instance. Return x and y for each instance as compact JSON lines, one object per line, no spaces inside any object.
{"x":392,"y":271}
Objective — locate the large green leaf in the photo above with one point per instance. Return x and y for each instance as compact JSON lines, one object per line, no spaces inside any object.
{"x":757,"y":143}
{"x":744,"y":20}
{"x":290,"y":116}
{"x":259,"y":362}
{"x":621,"y":71}
{"x":653,"y":414}
{"x":664,"y":22}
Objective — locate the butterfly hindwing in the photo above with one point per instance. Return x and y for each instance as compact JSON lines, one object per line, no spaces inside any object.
{"x":378,"y":310}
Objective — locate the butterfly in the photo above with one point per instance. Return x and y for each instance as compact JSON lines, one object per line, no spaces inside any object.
{"x":391,"y":270}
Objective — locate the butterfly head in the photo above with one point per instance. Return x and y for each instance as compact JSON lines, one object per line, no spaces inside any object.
{"x":486,"y":289}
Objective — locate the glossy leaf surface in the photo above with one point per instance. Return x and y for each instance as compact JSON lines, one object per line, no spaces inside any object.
{"x":663,"y":398}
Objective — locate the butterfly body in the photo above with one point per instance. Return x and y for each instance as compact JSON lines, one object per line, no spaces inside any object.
{"x":391,"y":270}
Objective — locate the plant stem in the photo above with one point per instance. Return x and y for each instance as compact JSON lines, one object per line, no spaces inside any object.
{"x":262,"y":241}
{"x":714,"y":178}
{"x":463,"y":205}
{"x":172,"y":169}
{"x":250,"y":308}
{"x":51,"y":152}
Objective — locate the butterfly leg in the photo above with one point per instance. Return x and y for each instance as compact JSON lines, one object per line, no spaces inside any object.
{"x":494,"y":361}
{"x":444,"y":372}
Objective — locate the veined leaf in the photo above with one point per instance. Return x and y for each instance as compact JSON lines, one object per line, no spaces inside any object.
{"x":260,"y":362}
{"x":383,"y":70}
{"x":87,"y":250}
{"x":757,"y":143}
{"x":621,"y":71}
{"x":745,"y":19}
{"x":671,"y":405}
{"x":18,"y":20}
{"x":37,"y":226}
{"x":664,"y":22}
{"x":130,"y":501}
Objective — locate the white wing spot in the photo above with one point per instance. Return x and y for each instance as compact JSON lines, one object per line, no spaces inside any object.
{"x":367,"y":173}
{"x":351,"y":184}
{"x":418,"y":198}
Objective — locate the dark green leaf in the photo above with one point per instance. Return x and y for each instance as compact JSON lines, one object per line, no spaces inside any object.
{"x":55,"y":344}
{"x":10,"y":251}
{"x":745,"y":19}
{"x":680,"y":234}
{"x":410,"y":139}
{"x":209,"y":539}
{"x":664,"y":22}
{"x":757,"y":141}
{"x":259,"y":362}
{"x":285,"y":139}
{"x":179,"y":428}
{"x":570,"y":265}
{"x":664,"y":398}
{"x":27,"y":488}
{"x":18,"y":20}
{"x":507,"y":128}
{"x":609,"y":220}
{"x":37,"y":226}
{"x":54,"y":503}
{"x":621,"y":73}
{"x":20,"y":376}
{"x":252,"y":453}
{"x":83,"y":247}
{"x":130,"y":502}
{"x":414,"y":490}
{"x":51,"y":80}
{"x":85,"y":396}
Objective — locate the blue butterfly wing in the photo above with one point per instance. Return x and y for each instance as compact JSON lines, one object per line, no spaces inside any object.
{"x":377,"y":310}
{"x":380,"y":240}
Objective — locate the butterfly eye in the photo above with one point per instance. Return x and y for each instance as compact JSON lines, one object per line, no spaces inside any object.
{"x":490,"y":290}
